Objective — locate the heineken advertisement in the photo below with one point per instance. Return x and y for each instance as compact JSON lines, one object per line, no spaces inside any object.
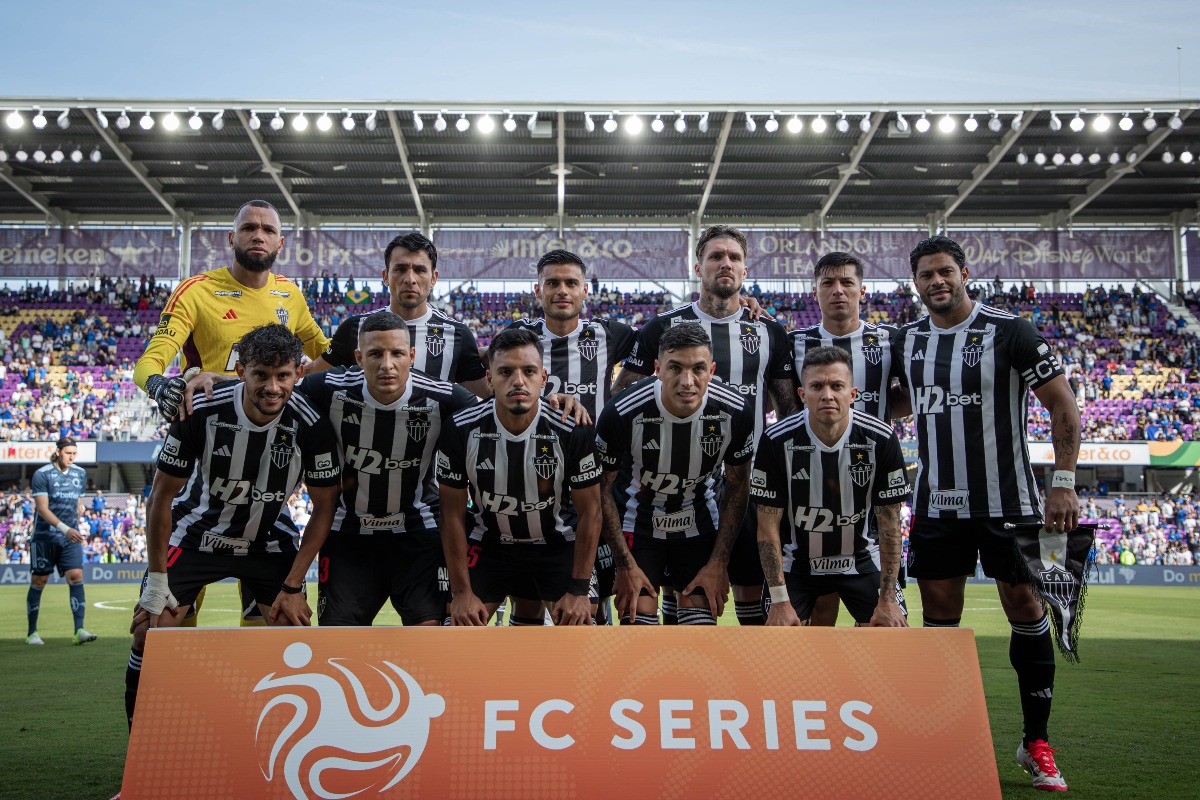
{"x":88,"y":252}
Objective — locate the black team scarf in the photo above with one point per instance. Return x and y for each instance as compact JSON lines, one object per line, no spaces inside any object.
{"x":1058,"y":565}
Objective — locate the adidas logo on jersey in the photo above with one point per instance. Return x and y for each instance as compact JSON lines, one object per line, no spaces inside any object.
{"x":223,"y":451}
{"x":651,"y":445}
{"x":802,"y":475}
{"x":487,"y":464}
{"x":352,"y":419}
{"x":229,"y":315}
{"x":919,"y":355}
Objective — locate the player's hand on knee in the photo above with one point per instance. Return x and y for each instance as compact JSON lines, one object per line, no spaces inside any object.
{"x":290,"y":609}
{"x":571,"y":609}
{"x":140,"y":622}
{"x":467,"y":610}
{"x":713,"y":580}
{"x":630,"y":583}
{"x":888,"y":615}
{"x":156,"y":597}
{"x":170,"y":617}
{"x":783,"y":615}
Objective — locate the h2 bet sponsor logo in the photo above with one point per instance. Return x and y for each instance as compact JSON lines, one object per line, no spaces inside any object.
{"x":822,"y":520}
{"x":240,"y":493}
{"x":935,"y":400}
{"x":372,"y":462}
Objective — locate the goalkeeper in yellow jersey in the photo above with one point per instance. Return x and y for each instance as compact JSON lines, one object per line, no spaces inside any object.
{"x":209,"y":313}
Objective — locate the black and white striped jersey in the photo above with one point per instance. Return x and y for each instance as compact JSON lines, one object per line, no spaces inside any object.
{"x":446,"y":348}
{"x":748,"y":353}
{"x":242,"y":474}
{"x":870,"y":349}
{"x":388,"y":451}
{"x":969,"y":387}
{"x":668,"y":465}
{"x":581,"y":363}
{"x":519,"y":484}
{"x":828,"y":493}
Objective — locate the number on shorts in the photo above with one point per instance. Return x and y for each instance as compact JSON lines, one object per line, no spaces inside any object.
{"x":472,"y":555}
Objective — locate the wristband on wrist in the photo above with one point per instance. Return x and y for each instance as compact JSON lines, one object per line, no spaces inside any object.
{"x":579,"y":586}
{"x":1062,"y":479}
{"x":779,"y":594}
{"x":62,"y":527}
{"x":291,"y":589}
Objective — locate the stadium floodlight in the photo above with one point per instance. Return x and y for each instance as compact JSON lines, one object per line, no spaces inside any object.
{"x":76,"y":156}
{"x":218,"y":121}
{"x":439,"y":123}
{"x":1094,"y":158}
{"x":703,"y":126}
{"x":418,"y":123}
{"x":1167,"y":156}
{"x":842,"y":125}
{"x":64,"y":119}
{"x":21,"y":155}
{"x":1114,"y":157}
{"x":1149,"y":123}
{"x":1131,"y":156}
{"x":864,"y":124}
{"x":531,"y":123}
{"x":462,"y":124}
{"x":995,"y":123}
{"x":1175,"y":122}
{"x":255,"y":123}
{"x":170,"y":122}
{"x":1022,"y":159}
{"x":922,"y":125}
{"x":123,"y":121}
{"x":1058,"y":159}
{"x":1077,"y":123}
{"x":1017,"y":120}
{"x":14,"y":120}
{"x":195,"y":122}
{"x":947,"y":124}
{"x":96,"y":156}
{"x":101,"y":120}
{"x":589,"y":124}
{"x":510,"y":124}
{"x":300,"y":122}
{"x":39,"y":155}
{"x":901,"y":123}
{"x":276,"y":122}
{"x":1186,"y":157}
{"x":657,"y":125}
{"x":372,"y":121}
{"x":795,"y":124}
{"x":486,"y":124}
{"x":1055,"y":122}
{"x":680,"y":124}
{"x":751,"y":125}
{"x":1076,"y":158}
{"x":1101,"y":123}
{"x":57,"y":156}
{"x":1039,"y":158}
{"x":146,"y":122}
{"x":3,"y":155}
{"x":39,"y":119}
{"x":819,"y":125}
{"x":610,"y":124}
{"x":771,"y":124}
{"x":971,"y":125}
{"x":634,"y":125}
{"x":1126,"y":123}
{"x":324,"y":123}
{"x":348,"y":122}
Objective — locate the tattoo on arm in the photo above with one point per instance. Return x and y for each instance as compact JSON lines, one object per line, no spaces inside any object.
{"x":610,"y":527}
{"x":768,"y":544}
{"x":1065,"y":437}
{"x":783,"y":393}
{"x":732,"y":510}
{"x":890,"y":544}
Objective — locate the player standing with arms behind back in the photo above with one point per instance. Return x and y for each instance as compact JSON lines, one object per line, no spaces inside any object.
{"x":969,"y":369}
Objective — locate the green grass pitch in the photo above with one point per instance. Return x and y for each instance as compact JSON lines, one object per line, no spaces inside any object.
{"x":1124,"y":719}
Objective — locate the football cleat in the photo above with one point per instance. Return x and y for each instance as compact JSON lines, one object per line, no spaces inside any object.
{"x":1038,"y":761}
{"x":83,"y":637}
{"x":33,"y":638}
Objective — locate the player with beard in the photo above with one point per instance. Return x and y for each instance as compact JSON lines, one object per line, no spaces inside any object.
{"x":209,"y":313}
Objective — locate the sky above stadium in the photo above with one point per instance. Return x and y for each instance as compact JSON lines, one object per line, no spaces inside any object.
{"x":629,"y":50}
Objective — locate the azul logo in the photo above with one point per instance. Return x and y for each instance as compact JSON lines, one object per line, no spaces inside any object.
{"x":335,"y":744}
{"x":935,"y":400}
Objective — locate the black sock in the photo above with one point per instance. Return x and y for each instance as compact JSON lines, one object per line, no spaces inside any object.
{"x":749,"y":612}
{"x":930,"y":622}
{"x":133,"y":676}
{"x":696,"y":616}
{"x":669,"y":612}
{"x":1031,"y":651}
{"x":33,"y":604}
{"x":645,"y":619}
{"x":78,"y":604}
{"x":515,"y":620}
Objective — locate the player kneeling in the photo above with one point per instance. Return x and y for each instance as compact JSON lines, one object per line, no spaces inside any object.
{"x":217,"y":508}
{"x":534,"y":487}
{"x":828,"y":467}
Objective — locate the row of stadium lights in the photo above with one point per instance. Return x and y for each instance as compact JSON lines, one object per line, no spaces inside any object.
{"x":1077,"y":158}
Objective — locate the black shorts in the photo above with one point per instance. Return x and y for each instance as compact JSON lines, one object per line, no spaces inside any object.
{"x":948,"y":548}
{"x":670,"y":563}
{"x":604,"y":573}
{"x":859,"y":593}
{"x":261,"y":574}
{"x":48,"y":553}
{"x":521,"y":570}
{"x":358,"y":573}
{"x":745,"y":566}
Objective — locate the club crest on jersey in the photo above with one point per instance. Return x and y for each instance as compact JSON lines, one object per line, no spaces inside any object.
{"x":588,"y":346}
{"x":871,"y":350}
{"x":861,"y":470}
{"x":282,"y":451}
{"x":544,"y":463}
{"x":972,"y":351}
{"x":710,"y":442}
{"x":418,"y":426}
{"x":435,"y":341}
{"x":282,"y":315}
{"x":750,"y":340}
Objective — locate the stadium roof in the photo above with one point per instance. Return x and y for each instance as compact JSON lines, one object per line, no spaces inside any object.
{"x":400,"y":165}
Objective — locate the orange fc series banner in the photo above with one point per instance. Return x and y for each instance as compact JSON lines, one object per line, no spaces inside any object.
{"x":570,"y":713}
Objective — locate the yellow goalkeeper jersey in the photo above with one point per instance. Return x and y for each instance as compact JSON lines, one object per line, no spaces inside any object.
{"x":209,"y":313}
